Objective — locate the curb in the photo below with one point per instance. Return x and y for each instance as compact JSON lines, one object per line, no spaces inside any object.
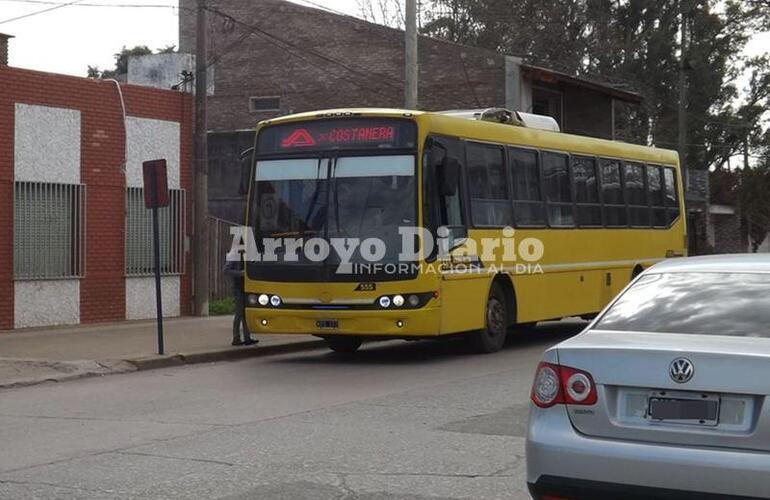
{"x":233,"y":354}
{"x":87,"y":369}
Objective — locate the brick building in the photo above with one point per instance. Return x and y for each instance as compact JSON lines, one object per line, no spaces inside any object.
{"x":276,"y":57}
{"x":74,"y":244}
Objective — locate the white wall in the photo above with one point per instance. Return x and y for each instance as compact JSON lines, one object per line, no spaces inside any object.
{"x":46,"y":149}
{"x":140,"y":297}
{"x":46,"y":144}
{"x":151,"y":140}
{"x":46,"y":303}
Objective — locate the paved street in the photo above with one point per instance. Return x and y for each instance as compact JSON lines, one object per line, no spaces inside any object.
{"x":399,"y":420}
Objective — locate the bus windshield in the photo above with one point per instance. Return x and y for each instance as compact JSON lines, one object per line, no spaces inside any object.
{"x":355,"y":197}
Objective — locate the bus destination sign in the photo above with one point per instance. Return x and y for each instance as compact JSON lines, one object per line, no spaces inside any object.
{"x":337,"y":134}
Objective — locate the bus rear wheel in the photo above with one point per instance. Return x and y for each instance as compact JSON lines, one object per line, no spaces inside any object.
{"x":492,"y":337}
{"x":343,"y":345}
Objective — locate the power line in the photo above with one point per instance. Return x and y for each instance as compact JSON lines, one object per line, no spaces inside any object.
{"x":296,"y":51}
{"x":43,"y":11}
{"x":350,"y":67}
{"x":80,"y":4}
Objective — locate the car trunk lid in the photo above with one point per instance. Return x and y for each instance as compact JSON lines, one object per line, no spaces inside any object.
{"x":640,"y":400}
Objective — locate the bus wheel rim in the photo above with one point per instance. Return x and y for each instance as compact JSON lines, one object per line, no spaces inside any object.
{"x":495,"y":316}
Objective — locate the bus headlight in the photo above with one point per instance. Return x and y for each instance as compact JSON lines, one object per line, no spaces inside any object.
{"x":414,"y":300}
{"x":275,"y":301}
{"x":263,"y":299}
{"x":385,"y":302}
{"x":252,"y":299}
{"x":398,"y":300}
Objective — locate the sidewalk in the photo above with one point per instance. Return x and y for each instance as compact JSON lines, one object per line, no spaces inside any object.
{"x":34,"y":356}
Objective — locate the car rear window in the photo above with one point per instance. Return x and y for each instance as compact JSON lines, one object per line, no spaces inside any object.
{"x":734,"y":304}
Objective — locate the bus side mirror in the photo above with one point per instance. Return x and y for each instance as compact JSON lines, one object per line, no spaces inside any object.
{"x":243,"y":188}
{"x":449,"y":176}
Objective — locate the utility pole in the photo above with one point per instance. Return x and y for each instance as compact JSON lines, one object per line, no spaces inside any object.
{"x":201,"y":171}
{"x":410,"y":56}
{"x":684,"y":15}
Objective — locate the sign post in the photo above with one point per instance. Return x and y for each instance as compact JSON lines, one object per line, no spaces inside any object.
{"x":156,"y":196}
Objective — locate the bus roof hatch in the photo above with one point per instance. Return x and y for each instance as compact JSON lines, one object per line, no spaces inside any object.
{"x":502,"y":115}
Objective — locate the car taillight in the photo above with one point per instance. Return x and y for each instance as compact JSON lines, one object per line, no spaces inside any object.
{"x":556,"y":384}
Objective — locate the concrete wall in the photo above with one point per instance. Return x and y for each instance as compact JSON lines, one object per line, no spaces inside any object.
{"x":152,"y":139}
{"x":46,"y":149}
{"x":140,"y":297}
{"x":46,"y":144}
{"x":164,"y":71}
{"x":46,"y":303}
{"x":56,"y":128}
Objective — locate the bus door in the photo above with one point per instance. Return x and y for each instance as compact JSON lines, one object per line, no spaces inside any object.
{"x":445,"y":217}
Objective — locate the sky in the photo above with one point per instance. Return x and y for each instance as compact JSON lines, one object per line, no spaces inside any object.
{"x":69,"y":39}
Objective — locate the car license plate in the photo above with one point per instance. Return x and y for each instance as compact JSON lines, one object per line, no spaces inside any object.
{"x":327,"y":324}
{"x":702,"y":409}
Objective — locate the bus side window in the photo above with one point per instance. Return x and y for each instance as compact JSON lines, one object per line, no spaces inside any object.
{"x":612,"y":191}
{"x":587,"y":191}
{"x":444,"y":210}
{"x":558,"y":189}
{"x":655,"y":192}
{"x":636,"y":193}
{"x":488,"y":187}
{"x":671,"y":191}
{"x":528,"y":208}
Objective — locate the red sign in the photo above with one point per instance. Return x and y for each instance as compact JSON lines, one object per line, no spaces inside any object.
{"x":155,"y":184}
{"x":299,"y":138}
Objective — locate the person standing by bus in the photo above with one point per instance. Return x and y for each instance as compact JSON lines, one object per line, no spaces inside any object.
{"x":235,"y":270}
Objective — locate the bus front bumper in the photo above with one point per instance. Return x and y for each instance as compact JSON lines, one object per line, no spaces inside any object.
{"x":393,"y":323}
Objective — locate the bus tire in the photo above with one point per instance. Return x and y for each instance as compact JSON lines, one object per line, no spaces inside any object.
{"x":343,"y":344}
{"x":492,"y":337}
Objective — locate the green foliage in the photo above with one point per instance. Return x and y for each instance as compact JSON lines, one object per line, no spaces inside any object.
{"x":121,"y":61}
{"x":634,"y":45}
{"x":222,"y":307}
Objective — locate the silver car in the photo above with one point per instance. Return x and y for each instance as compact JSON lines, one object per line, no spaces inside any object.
{"x":666,"y":394}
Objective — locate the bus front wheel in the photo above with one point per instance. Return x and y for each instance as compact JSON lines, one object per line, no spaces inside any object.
{"x":492,"y":337}
{"x":343,"y":345}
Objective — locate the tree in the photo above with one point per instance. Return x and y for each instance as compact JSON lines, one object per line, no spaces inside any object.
{"x":755,"y":209}
{"x":387,"y":12}
{"x":629,"y":44}
{"x":121,"y":61}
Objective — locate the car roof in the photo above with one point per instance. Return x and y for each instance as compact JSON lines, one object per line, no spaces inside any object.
{"x":741,"y":263}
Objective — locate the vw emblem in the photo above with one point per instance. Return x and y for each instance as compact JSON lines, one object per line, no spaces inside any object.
{"x":681,"y":370}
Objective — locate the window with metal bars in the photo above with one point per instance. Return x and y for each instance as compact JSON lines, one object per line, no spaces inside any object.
{"x":171,"y":222}
{"x":48,"y":230}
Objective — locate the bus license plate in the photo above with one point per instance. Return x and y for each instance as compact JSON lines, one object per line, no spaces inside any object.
{"x":327,"y":324}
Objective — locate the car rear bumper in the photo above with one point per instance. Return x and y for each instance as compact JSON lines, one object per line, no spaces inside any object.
{"x":559,"y":459}
{"x":578,"y":489}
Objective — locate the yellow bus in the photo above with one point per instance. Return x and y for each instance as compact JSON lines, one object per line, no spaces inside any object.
{"x":527,"y":224}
